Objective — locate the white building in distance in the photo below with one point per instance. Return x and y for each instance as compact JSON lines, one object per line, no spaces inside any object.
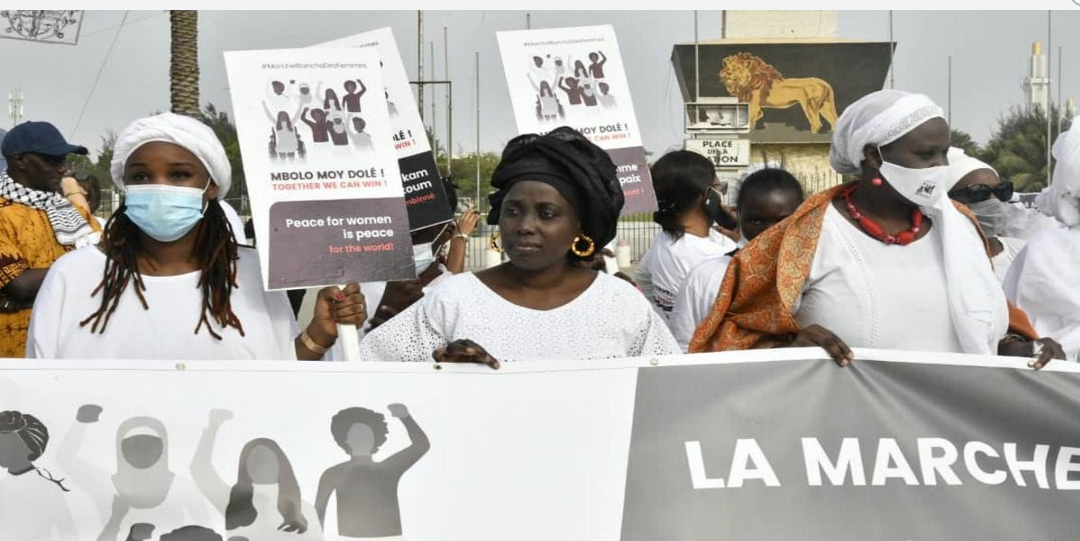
{"x":1037,"y":84}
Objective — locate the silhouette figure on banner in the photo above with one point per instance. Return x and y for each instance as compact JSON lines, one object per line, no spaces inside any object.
{"x":588,"y":92}
{"x":265,"y":502}
{"x":277,"y":99}
{"x":285,"y":140}
{"x":607,"y":101}
{"x":338,"y":131}
{"x":390,"y":107}
{"x":547,"y":104}
{"x":367,"y":491}
{"x":143,"y":489}
{"x":304,"y":95}
{"x":33,"y":502}
{"x":145,"y":532}
{"x":360,"y":139}
{"x":352,"y":95}
{"x":596,"y":69}
{"x":318,"y":124}
{"x":573,"y":91}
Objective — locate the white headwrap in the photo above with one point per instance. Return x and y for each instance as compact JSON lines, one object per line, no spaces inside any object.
{"x":1062,"y":198}
{"x":878,"y":119}
{"x":977,"y":304}
{"x":181,"y":130}
{"x":960,"y":164}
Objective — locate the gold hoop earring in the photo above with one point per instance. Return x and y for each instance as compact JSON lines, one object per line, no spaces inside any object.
{"x":588,"y":251}
{"x":493,"y":243}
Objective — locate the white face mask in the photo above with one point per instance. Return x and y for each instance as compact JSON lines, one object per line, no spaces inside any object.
{"x":423,"y":257}
{"x":993,"y":216}
{"x":923,"y":187}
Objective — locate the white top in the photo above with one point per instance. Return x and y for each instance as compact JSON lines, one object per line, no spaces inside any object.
{"x":1002,"y":261}
{"x":166,"y":330}
{"x":665,"y":266}
{"x":373,"y":293}
{"x":610,"y":319}
{"x":697,"y":298}
{"x":878,"y":296}
{"x":1044,"y":281}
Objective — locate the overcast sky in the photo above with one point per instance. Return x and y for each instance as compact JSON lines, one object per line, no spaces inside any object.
{"x":990,"y":53}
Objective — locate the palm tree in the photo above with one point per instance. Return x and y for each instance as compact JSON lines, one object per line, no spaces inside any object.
{"x":184,"y":62}
{"x":1017,"y":149}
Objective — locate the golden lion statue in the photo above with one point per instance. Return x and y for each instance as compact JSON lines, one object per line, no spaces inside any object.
{"x":754,"y":81}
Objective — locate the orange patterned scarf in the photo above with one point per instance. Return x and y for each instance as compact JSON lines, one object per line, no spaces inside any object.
{"x":766,"y":278}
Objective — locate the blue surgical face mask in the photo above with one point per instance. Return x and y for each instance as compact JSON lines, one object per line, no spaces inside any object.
{"x":166,"y":213}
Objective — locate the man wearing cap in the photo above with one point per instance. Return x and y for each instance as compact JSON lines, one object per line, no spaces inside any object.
{"x":38,"y":222}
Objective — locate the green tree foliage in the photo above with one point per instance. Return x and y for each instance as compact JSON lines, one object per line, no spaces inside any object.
{"x":962,"y":139}
{"x":1017,"y":149}
{"x":463,"y":169}
{"x":226,"y":133}
{"x":98,"y":165}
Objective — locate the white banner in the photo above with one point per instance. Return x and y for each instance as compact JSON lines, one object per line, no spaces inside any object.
{"x":320,"y":166}
{"x":766,"y":445}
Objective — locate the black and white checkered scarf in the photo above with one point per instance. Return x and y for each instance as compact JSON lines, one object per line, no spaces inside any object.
{"x":70,"y":227}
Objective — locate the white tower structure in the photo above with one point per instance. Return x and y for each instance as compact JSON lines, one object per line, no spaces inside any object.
{"x":1037,"y":84}
{"x":15,"y":106}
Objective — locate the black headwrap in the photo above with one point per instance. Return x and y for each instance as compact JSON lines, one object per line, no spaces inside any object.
{"x":565,"y":160}
{"x":32,"y":431}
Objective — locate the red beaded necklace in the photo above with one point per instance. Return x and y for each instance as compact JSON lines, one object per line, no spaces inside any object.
{"x":870,"y":226}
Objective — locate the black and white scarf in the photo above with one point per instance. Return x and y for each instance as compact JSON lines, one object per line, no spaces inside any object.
{"x":70,"y":227}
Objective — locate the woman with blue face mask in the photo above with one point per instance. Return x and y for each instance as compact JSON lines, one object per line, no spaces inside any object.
{"x":883,"y":261}
{"x":169,"y":280}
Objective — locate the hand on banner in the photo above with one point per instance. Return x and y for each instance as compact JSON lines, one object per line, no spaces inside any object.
{"x":464,"y":351}
{"x":816,"y":335}
{"x":1044,"y":350}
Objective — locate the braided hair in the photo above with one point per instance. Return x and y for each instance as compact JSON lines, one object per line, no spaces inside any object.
{"x":216,"y":248}
{"x":680,"y":178}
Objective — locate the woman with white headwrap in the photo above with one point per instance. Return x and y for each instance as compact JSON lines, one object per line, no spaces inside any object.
{"x":976,"y":185}
{"x":885,"y":261}
{"x":1045,"y":278}
{"x":169,"y":280}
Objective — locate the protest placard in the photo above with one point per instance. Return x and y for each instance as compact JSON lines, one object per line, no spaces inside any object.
{"x":320,"y":166}
{"x":425,"y":197}
{"x":575,"y":77}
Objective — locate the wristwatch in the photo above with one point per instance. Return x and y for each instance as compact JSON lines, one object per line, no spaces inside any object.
{"x":461,"y":235}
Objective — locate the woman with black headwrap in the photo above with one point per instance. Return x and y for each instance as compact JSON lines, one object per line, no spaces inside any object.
{"x":557,"y":203}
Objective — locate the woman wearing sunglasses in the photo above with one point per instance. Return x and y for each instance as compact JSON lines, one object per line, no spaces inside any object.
{"x":980,"y":188}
